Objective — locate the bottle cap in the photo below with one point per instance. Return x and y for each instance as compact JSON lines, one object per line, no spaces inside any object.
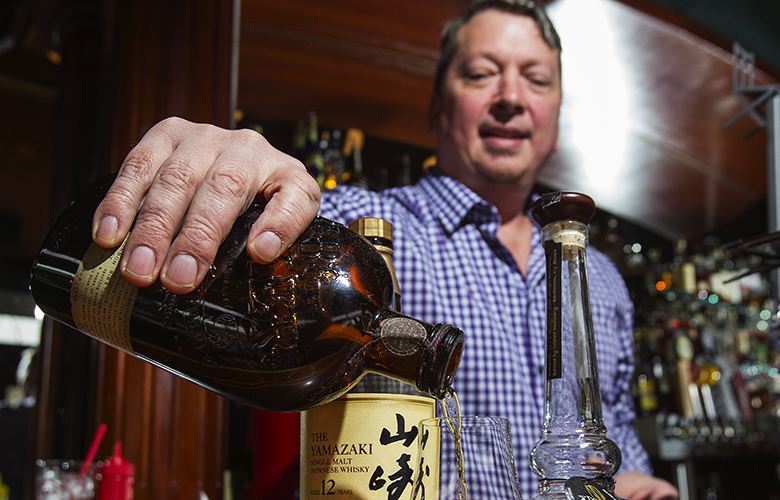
{"x":117,"y":464}
{"x":372,"y":227}
{"x":563,"y":205}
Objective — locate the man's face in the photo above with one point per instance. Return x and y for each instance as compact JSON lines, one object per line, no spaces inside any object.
{"x":496,"y":120}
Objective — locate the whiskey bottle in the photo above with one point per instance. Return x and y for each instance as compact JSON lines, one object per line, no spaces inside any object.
{"x":380,"y":413}
{"x":574,"y":442}
{"x":284,"y":336}
{"x":312,"y":156}
{"x":353,"y":153}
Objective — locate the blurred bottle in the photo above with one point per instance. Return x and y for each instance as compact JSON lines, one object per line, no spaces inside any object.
{"x":689,"y":402}
{"x":683,"y":269}
{"x":403,"y":171}
{"x":429,"y":162}
{"x":353,"y":154}
{"x":644,"y":378}
{"x":117,"y":477}
{"x":330,"y":143}
{"x":5,"y":491}
{"x":312,"y":155}
{"x":299,"y":140}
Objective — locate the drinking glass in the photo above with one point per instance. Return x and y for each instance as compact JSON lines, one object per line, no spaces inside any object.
{"x":488,"y":461}
{"x":60,"y":480}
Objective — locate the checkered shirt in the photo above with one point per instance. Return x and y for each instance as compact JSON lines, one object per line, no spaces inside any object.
{"x":452,"y":269}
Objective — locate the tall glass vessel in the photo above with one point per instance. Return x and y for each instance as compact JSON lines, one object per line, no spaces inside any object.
{"x":574,"y":441}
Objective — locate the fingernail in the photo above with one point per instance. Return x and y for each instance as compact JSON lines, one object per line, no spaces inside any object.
{"x":141,"y":262}
{"x":267,"y":245}
{"x":183,"y":270}
{"x":107,"y":229}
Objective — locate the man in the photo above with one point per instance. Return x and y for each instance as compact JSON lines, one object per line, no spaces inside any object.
{"x":467,"y":252}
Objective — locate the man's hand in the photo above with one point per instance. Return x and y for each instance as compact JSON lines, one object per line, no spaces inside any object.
{"x":185,"y":184}
{"x":634,"y":485}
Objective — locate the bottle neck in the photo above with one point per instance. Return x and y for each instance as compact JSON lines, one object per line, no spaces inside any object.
{"x":385,"y":249}
{"x":572,"y":395}
{"x":416,"y":352}
{"x":572,"y":369}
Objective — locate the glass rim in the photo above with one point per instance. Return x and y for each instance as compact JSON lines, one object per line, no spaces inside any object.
{"x":467,"y":420}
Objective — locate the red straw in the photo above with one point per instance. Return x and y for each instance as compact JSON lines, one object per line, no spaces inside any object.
{"x":93,"y":449}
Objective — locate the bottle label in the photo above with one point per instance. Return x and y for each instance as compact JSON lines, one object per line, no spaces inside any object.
{"x":579,"y":488}
{"x":100,"y":298}
{"x":362,"y":446}
{"x":553,"y":251}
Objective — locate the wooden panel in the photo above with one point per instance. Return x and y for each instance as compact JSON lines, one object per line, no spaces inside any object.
{"x":171,"y":429}
{"x":172,"y":58}
{"x":175,"y":58}
{"x":409,"y":27}
{"x":366,"y":64}
{"x":385,"y":97}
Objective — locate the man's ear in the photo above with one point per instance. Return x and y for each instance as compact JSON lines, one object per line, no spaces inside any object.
{"x":434,"y":110}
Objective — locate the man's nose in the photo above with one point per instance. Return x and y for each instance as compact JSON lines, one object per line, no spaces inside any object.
{"x":511,"y":95}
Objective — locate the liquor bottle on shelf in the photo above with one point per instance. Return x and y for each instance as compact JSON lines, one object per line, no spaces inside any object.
{"x":285,"y":336}
{"x":574,"y":444}
{"x":299,"y":140}
{"x":353,"y":152}
{"x":646,"y":397}
{"x":658,"y":346}
{"x":404,"y":171}
{"x":690,"y":404}
{"x":663,"y":385}
{"x":330,"y":142}
{"x":380,"y":412}
{"x":313,"y":155}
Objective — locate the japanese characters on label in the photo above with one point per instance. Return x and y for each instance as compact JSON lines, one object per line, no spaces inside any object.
{"x":363,"y":451}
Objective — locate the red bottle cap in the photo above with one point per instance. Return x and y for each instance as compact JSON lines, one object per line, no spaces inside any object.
{"x":117,"y":464}
{"x":117,"y":477}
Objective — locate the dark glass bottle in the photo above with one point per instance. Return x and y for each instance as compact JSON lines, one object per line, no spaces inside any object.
{"x":285,"y":336}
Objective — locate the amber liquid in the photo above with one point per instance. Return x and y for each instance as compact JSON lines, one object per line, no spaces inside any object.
{"x":451,"y":407}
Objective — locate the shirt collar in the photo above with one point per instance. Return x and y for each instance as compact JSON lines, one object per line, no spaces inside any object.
{"x":453,"y":203}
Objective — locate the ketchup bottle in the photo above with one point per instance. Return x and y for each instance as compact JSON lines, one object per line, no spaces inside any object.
{"x":117,"y":477}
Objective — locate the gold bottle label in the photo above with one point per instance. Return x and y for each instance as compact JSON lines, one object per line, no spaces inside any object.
{"x":101,"y":300}
{"x":362,"y":446}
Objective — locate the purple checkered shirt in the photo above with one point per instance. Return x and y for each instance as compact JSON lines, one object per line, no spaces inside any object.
{"x":452,"y":269}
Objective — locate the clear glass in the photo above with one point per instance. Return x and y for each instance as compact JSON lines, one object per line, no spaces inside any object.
{"x":488,"y":460}
{"x":574,"y":442}
{"x":61,"y":480}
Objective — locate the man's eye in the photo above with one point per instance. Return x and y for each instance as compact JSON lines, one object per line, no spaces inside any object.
{"x":540,"y":81}
{"x":478,"y":76}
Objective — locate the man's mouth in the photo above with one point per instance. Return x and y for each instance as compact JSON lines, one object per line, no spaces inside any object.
{"x":503,"y":133}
